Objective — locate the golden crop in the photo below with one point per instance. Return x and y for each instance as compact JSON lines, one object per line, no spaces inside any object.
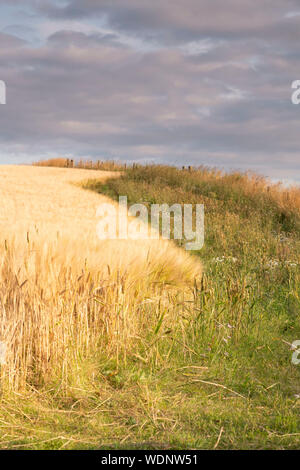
{"x":65,"y":294}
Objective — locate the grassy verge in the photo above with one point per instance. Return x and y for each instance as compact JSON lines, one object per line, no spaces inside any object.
{"x":239,"y":328}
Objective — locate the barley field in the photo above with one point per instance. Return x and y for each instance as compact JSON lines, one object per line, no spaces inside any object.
{"x":119,"y":344}
{"x":64,"y":292}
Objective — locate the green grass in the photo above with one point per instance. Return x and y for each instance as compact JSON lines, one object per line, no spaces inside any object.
{"x":223,"y":370}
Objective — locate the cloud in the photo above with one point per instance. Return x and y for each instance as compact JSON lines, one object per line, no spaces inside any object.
{"x":192,"y":18}
{"x":179,"y":82}
{"x":9,"y":42}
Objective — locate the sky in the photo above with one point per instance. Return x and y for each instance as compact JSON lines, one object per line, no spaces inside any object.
{"x":193,"y":82}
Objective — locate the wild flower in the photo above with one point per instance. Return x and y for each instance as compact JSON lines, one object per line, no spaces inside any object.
{"x":223,"y":259}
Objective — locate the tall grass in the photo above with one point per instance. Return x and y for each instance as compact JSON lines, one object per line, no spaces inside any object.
{"x":60,"y":304}
{"x":67,"y":297}
{"x":237,"y":331}
{"x":102,"y":165}
{"x":124,"y":345}
{"x":243,"y":193}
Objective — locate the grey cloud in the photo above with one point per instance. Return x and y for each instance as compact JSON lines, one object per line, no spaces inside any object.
{"x":66,"y":37}
{"x":9,"y":42}
{"x":89,"y":93}
{"x":191,"y":18}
